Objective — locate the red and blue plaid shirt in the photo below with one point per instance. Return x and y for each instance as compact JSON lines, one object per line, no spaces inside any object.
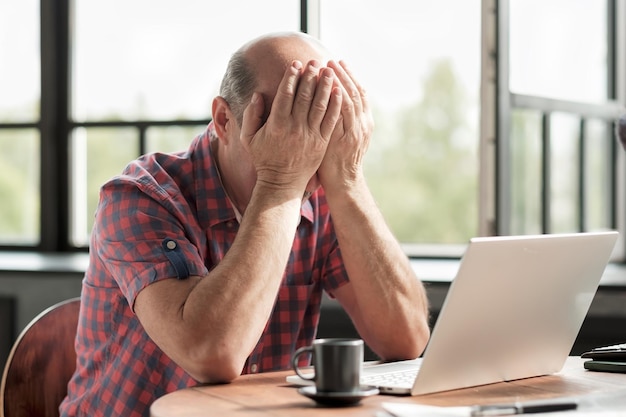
{"x":179,"y":197}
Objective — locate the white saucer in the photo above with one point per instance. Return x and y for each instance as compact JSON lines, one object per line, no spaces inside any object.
{"x":338,"y":398}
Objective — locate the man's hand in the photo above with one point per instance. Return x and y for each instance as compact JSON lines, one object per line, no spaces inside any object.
{"x":343,"y":161}
{"x":288,"y":149}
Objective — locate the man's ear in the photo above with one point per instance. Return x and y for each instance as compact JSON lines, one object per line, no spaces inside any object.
{"x":221,"y":116}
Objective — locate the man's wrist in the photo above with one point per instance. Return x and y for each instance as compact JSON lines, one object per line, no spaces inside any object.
{"x":346,"y":187}
{"x":278,"y":193}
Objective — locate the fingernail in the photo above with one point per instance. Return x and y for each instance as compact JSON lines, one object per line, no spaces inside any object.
{"x":297,"y":65}
{"x":328,"y":72}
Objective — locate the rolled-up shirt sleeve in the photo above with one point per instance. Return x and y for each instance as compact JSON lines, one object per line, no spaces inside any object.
{"x":140,"y":239}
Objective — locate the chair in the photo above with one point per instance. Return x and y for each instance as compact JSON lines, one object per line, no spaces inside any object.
{"x":41,"y":363}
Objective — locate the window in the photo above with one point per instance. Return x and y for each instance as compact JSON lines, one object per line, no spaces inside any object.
{"x":483,"y":125}
{"x":559,"y":167}
{"x":423,"y":82}
{"x":146,"y":82}
{"x":20,"y":140}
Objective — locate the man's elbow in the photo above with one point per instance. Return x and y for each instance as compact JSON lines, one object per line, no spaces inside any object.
{"x":404,"y":345}
{"x":215,"y":368}
{"x":421,"y":339}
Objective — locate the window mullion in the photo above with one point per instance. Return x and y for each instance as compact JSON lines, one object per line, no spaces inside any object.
{"x":310,"y":17}
{"x":503,"y":122}
{"x":54,"y":124}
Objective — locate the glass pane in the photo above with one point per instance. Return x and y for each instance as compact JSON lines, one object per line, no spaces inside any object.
{"x":19,"y":58}
{"x":98,"y":154}
{"x":158,"y":59}
{"x":565,"y":173}
{"x":171,"y":138}
{"x":19,"y":186}
{"x":526,"y":176}
{"x":558,"y":49}
{"x":422,"y":81}
{"x":599,"y":140}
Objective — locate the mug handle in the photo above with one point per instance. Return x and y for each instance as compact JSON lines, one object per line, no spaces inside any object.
{"x":294,"y":362}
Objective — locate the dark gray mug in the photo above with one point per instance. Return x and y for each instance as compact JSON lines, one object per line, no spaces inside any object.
{"x":336,"y":362}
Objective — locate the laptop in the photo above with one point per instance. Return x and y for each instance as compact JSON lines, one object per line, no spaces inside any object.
{"x":513,"y":311}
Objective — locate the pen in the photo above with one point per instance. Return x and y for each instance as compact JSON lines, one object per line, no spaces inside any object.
{"x":511,"y":409}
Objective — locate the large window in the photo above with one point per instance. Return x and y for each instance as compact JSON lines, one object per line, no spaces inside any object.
{"x":559,"y":93}
{"x":452,"y":155}
{"x":423,"y":80}
{"x":143,"y":76}
{"x":19,"y":117}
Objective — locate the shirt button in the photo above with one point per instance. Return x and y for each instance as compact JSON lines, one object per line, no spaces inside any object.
{"x":171,"y":245}
{"x":230,"y":224}
{"x":254,"y":368}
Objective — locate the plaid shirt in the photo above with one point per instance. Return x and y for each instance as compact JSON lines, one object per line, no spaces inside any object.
{"x":168,"y":216}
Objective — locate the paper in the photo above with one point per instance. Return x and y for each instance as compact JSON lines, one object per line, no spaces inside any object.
{"x":417,"y":410}
{"x":605,"y":404}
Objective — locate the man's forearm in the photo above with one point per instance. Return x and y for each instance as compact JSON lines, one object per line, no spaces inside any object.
{"x":233,"y":303}
{"x":385,"y":286}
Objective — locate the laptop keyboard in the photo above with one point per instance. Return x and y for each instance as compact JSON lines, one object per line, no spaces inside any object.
{"x":391,"y":379}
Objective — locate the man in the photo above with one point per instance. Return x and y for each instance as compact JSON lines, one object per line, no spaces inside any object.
{"x":211,"y":263}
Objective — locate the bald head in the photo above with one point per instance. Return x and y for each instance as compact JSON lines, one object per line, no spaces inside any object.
{"x":259,"y":65}
{"x":280,"y":48}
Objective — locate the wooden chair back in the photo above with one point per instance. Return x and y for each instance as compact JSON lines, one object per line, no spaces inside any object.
{"x":41,"y":363}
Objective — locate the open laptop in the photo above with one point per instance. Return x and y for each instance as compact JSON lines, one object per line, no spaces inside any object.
{"x":513,"y":311}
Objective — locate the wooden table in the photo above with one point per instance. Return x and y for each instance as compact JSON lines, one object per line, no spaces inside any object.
{"x":268,"y":394}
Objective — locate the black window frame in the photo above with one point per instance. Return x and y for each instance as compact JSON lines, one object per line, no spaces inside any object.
{"x":55,"y":124}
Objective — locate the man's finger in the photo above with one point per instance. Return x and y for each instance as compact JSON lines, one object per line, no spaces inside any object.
{"x":333,"y":113}
{"x":319,"y":106}
{"x":252,"y":118}
{"x":306,"y":92}
{"x":283,"y":102}
{"x":348,"y":83}
{"x":362,"y":93}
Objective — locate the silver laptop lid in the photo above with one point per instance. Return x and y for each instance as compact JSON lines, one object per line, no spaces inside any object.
{"x":514,"y":309}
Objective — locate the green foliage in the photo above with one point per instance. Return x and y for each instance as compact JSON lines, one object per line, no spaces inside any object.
{"x":109,"y":150}
{"x":525,"y":166}
{"x":19,"y":186}
{"x":421,"y":166}
{"x":426,"y":183}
